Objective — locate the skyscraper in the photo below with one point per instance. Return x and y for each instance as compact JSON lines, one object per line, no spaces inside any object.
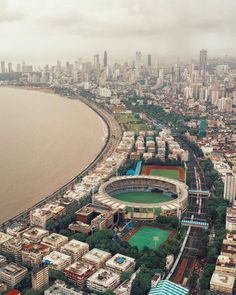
{"x":105,"y":59}
{"x":203,"y":62}
{"x":96,"y":60}
{"x":149,"y":60}
{"x":138,"y":60}
{"x":40,"y":277}
{"x":3,"y":68}
{"x":230,"y":187}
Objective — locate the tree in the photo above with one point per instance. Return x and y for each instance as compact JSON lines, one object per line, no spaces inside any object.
{"x":56,"y":275}
{"x":108,"y":292}
{"x":142,"y":283}
{"x":34,"y":292}
{"x":125,"y":276}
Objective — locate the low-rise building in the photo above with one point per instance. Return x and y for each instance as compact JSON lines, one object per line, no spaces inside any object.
{"x":12,"y":274}
{"x":33,"y":253}
{"x":35,"y":234}
{"x":57,"y":260}
{"x":79,"y":272}
{"x":3,"y":261}
{"x":4,"y":238}
{"x":102,"y":280}
{"x":40,"y":216}
{"x":231,"y":219}
{"x":222,"y":282}
{"x":55,"y":241}
{"x":61,"y":289}
{"x":96,"y":257}
{"x":225,"y":265}
{"x":121,"y":263}
{"x":14,"y":248}
{"x":75,"y":249}
{"x":40,"y":277}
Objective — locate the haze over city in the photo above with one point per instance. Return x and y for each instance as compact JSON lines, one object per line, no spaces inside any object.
{"x":117,"y":147}
{"x":40,"y":31}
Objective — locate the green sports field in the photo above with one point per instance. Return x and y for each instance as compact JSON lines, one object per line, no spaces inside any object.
{"x":143,"y":197}
{"x":144,"y":237}
{"x":173,"y":174}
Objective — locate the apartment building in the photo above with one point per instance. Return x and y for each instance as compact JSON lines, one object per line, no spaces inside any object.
{"x":14,"y":248}
{"x":35,"y":234}
{"x":12,"y":274}
{"x":102,"y":280}
{"x":222,"y":282}
{"x":4,"y":238}
{"x":120,"y":263}
{"x":96,"y":257}
{"x":57,"y":260}
{"x":79,"y":272}
{"x":33,"y":253}
{"x":40,"y":277}
{"x":55,"y":241}
{"x":75,"y":249}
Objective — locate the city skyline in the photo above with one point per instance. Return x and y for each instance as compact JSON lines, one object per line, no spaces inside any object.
{"x":43,"y":31}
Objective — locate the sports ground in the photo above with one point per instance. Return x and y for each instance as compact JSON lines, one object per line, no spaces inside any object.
{"x":172,"y":172}
{"x":143,"y":197}
{"x":150,"y":236}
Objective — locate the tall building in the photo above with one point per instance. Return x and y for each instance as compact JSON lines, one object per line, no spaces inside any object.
{"x":96,"y":60}
{"x":203,"y":62}
{"x":10,"y":67}
{"x":40,"y":277}
{"x":138,"y":60}
{"x":149,"y":60}
{"x":3,"y":68}
{"x":230,"y":187}
{"x":105,"y":59}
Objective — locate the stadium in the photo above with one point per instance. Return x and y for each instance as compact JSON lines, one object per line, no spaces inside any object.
{"x":143,"y":197}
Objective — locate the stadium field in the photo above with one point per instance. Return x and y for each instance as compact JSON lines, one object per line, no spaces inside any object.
{"x":172,"y":172}
{"x":143,"y":197}
{"x":144,"y":235}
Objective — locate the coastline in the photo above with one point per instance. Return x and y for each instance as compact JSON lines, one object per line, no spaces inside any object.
{"x":106,"y":118}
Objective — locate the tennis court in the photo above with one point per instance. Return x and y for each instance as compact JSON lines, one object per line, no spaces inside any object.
{"x":149,"y":236}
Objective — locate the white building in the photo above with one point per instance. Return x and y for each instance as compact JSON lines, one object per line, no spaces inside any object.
{"x":75,"y":249}
{"x":121,"y":263}
{"x":35,"y":234}
{"x":55,"y":241}
{"x":103,"y":280}
{"x":57,"y":260}
{"x":230,"y":187}
{"x":222,"y":282}
{"x":96,"y":257}
{"x":231,"y":219}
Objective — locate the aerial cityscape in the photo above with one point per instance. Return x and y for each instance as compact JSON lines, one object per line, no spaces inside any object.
{"x":117,"y":147}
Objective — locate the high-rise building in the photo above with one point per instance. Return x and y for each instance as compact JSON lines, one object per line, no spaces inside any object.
{"x":9,"y":67}
{"x":18,"y":68}
{"x":203,"y":62}
{"x":12,"y":274}
{"x":149,"y":60}
{"x":96,"y":60}
{"x":40,"y":277}
{"x":230,"y":187}
{"x":138,"y":60}
{"x":105,"y":59}
{"x":3,"y":68}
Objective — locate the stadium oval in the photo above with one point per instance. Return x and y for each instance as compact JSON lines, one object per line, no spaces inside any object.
{"x":117,"y":192}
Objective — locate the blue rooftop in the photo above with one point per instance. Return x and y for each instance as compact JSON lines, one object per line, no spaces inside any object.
{"x":166,"y":287}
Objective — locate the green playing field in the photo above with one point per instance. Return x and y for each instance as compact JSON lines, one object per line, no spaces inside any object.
{"x":142,"y":197}
{"x":145,"y":237}
{"x":173,"y":174}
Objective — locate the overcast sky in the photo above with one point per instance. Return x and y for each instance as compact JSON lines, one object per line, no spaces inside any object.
{"x":42,"y":31}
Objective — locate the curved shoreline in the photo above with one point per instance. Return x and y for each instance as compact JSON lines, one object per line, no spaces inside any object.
{"x":107,"y":119}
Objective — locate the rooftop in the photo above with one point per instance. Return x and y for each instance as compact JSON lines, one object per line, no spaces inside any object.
{"x":104,"y":277}
{"x":167,"y":287}
{"x":13,"y":269}
{"x":79,"y":267}
{"x":96,"y":255}
{"x":75,"y":246}
{"x":4,"y":237}
{"x":55,"y":257}
{"x":120,"y":262}
{"x":222,"y":279}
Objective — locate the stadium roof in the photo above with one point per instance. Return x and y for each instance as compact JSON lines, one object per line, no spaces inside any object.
{"x":168,"y":288}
